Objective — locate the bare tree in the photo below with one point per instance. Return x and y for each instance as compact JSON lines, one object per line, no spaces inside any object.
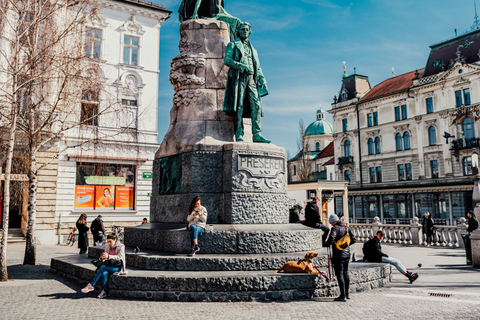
{"x":304,"y":169}
{"x":51,"y":84}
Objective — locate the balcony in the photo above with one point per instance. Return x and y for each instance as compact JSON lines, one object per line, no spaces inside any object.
{"x":465,"y":143}
{"x":320,"y":175}
{"x":345,"y":160}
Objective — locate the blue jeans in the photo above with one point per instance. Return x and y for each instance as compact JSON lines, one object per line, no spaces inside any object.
{"x":396,"y":263}
{"x":194,"y":232}
{"x":103,"y":272}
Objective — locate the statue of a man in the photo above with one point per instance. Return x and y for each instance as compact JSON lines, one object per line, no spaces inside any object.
{"x":245,"y":84}
{"x":193,"y":9}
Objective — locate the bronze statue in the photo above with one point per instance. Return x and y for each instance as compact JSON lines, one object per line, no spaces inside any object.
{"x":245,"y":84}
{"x":195,"y":9}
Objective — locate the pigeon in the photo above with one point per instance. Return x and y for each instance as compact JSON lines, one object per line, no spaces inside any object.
{"x":136,"y":250}
{"x":419,"y":265}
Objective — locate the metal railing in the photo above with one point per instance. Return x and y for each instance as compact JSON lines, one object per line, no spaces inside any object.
{"x":345,"y":160}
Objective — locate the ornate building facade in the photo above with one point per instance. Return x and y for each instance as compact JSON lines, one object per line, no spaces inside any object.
{"x":405,"y":145}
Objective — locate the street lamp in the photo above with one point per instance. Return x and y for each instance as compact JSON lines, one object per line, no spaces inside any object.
{"x":476,"y":191}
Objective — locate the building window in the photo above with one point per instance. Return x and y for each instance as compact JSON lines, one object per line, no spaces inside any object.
{"x":399,"y":142}
{"x":397,"y":114}
{"x":89,"y":108}
{"x":371,"y":147}
{"x":408,"y":171}
{"x":104,"y":187}
{"x":458,"y":98}
{"x":379,"y":174}
{"x":317,"y":146}
{"x":345,"y":125}
{"x":467,"y":166}
{"x":468,"y":128}
{"x":346,"y":148}
{"x":401,"y":172}
{"x":130,"y":50}
{"x":93,"y":43}
{"x":434,"y":168}
{"x":294,"y":170}
{"x":466,"y":96}
{"x":346,"y":175}
{"x":369,"y":120}
{"x":404,"y":112}
{"x":378,"y":150}
{"x":372,"y":175}
{"x":375,"y":118}
{"x":432,"y":136}
{"x":429,"y":102}
{"x":406,"y":140}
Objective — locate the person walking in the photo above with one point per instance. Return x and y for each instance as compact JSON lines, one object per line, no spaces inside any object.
{"x":372,"y":252}
{"x":427,"y":227}
{"x":197,"y":218}
{"x":472,"y":224}
{"x":340,"y":258}
{"x":82,"y":233}
{"x":115,"y":252}
{"x":97,"y":230}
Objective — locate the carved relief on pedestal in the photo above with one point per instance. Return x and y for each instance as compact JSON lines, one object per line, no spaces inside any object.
{"x":184,"y":72}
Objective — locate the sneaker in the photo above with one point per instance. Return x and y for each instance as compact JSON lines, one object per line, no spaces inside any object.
{"x":192,"y":253}
{"x":413,"y":277}
{"x":102,"y":295}
{"x":197,"y":248}
{"x":88,"y":288}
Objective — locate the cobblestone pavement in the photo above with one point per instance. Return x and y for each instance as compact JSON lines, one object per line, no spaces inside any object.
{"x":445,"y":290}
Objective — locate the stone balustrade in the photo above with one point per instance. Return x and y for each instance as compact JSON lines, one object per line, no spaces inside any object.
{"x":411,"y":234}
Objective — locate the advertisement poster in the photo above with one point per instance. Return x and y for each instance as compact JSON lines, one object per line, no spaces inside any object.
{"x":104,"y":196}
{"x":124,"y":198}
{"x":84,"y":196}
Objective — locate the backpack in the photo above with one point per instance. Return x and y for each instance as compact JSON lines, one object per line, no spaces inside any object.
{"x":344,"y":241}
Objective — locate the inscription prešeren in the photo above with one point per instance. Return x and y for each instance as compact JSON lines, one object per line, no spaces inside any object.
{"x":261,"y":166}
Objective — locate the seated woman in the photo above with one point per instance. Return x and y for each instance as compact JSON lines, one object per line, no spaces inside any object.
{"x":197,"y":218}
{"x":114,"y":250}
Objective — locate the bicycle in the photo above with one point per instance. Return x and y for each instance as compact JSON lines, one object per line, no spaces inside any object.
{"x":72,"y":237}
{"x":119,"y":232}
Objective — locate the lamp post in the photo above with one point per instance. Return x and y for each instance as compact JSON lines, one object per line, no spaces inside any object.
{"x":475,"y":235}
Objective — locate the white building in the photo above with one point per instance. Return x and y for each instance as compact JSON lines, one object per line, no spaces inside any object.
{"x":390,"y":139}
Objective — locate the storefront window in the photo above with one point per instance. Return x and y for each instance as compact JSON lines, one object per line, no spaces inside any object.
{"x":105,"y":187}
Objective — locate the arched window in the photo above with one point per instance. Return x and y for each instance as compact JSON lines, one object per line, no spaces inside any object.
{"x":346,"y":148}
{"x":294,"y":170}
{"x":346,"y":175}
{"x":317,"y":146}
{"x":468,"y":128}
{"x":370,"y":146}
{"x":399,"y":142}
{"x":432,"y":136}
{"x":377,"y":145}
{"x":406,"y":140}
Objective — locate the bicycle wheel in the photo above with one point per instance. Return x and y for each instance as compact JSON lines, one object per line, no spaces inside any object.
{"x":69,"y":239}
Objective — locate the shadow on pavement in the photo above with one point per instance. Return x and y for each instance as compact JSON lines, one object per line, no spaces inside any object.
{"x":71,"y":296}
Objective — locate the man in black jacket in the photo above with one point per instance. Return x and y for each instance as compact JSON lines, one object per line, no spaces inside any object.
{"x":372,"y":252}
{"x":472,"y":223}
{"x":340,"y":258}
{"x":97,"y":230}
{"x":313,"y":218}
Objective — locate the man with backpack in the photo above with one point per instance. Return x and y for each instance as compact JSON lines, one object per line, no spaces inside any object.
{"x":313,"y":218}
{"x":372,"y":252}
{"x":340,"y":238}
{"x":97,"y":230}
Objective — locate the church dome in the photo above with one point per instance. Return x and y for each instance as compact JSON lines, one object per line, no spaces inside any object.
{"x":320,"y":126}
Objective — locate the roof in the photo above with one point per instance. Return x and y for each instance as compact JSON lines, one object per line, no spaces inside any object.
{"x":328,"y":151}
{"x":310,"y":155}
{"x":318,"y":128}
{"x":148,"y":4}
{"x":329,"y":162}
{"x":392,"y":85}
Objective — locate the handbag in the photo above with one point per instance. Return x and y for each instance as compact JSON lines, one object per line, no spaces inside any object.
{"x":107,"y":262}
{"x":344,"y":241}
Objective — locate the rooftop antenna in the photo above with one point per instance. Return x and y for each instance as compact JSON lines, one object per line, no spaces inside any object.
{"x":476,"y":22}
{"x":455,"y":32}
{"x":354,"y":70}
{"x":393,"y":72}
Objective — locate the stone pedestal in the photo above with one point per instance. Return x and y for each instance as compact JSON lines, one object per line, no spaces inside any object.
{"x":475,"y":241}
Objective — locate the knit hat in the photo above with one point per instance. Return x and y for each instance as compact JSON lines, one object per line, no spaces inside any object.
{"x":333,"y":218}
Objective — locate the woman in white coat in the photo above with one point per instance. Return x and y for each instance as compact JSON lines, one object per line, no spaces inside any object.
{"x":197,"y":218}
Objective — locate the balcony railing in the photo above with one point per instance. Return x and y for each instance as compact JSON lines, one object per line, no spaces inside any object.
{"x":345,"y":160}
{"x":465,"y":143}
{"x":320,"y":175}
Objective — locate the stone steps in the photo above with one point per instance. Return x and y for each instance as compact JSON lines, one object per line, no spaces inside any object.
{"x":226,"y":238}
{"x":165,"y":261}
{"x":221,"y":285}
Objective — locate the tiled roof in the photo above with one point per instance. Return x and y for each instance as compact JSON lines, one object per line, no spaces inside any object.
{"x":392,"y":85}
{"x":148,"y":4}
{"x":329,"y":162}
{"x":328,"y":151}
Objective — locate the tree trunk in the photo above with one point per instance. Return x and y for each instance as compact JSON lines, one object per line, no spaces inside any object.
{"x":6,"y":198}
{"x":30,"y":246}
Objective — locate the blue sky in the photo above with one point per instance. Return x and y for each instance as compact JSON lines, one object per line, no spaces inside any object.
{"x":302,"y":44}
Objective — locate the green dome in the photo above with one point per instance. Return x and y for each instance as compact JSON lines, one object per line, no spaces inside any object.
{"x":320,"y":126}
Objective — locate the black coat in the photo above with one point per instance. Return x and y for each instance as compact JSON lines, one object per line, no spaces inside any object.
{"x":472,"y":224}
{"x":312,"y":214}
{"x":336,"y":233}
{"x":82,"y":236}
{"x":427,"y":226}
{"x":97,"y":225}
{"x":372,"y":250}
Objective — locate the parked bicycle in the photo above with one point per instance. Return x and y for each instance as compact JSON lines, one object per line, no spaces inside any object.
{"x":119,"y":232}
{"x":72,"y":237}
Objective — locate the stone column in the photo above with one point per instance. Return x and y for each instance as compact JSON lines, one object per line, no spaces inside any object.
{"x":475,"y":240}
{"x":417,"y":236}
{"x":345,"y":205}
